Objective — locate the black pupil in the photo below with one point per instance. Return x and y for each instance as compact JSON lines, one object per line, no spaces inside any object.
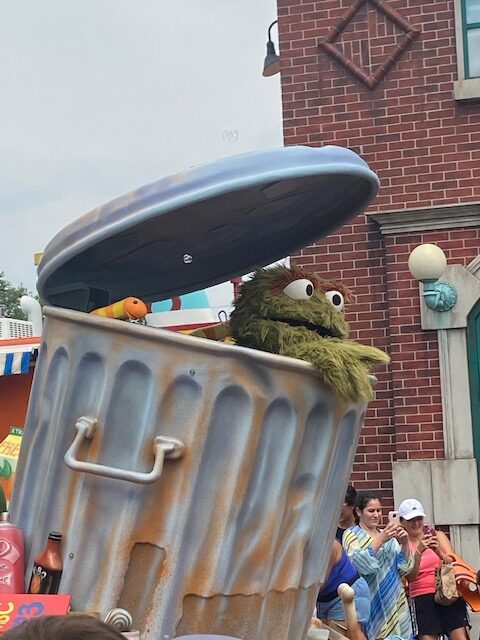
{"x":336,"y":299}
{"x":309,"y":290}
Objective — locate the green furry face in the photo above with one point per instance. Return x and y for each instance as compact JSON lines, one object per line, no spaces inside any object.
{"x":280,"y":307}
{"x":300,"y":315}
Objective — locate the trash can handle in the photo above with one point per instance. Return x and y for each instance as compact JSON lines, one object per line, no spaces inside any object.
{"x":162,"y":447}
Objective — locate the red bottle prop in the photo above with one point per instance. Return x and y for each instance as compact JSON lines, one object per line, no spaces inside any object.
{"x":12,"y":557}
{"x":47,"y":567}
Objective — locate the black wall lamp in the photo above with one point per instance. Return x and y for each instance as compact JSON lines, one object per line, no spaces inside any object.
{"x":271,"y":66}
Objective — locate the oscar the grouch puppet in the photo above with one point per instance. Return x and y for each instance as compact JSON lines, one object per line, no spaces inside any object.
{"x":297,"y":314}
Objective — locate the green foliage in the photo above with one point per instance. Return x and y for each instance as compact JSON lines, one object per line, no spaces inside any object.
{"x":10,"y":298}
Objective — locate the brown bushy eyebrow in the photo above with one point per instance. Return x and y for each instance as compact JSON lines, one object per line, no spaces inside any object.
{"x":323,"y":284}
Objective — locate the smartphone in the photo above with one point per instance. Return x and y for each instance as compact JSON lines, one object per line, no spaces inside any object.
{"x":429,"y":529}
{"x":393,"y":517}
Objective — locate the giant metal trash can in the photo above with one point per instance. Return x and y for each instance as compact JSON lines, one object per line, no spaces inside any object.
{"x":197,"y":484}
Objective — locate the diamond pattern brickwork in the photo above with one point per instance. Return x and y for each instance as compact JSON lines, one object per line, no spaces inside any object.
{"x":333,"y":39}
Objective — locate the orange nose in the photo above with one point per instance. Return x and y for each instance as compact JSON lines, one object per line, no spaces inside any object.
{"x":135,"y":308}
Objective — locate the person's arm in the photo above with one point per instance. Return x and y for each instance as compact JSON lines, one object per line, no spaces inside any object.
{"x":383,"y":536}
{"x":417,"y":558}
{"x":402,"y":539}
{"x":335,"y":558}
{"x":405,"y":558}
{"x":336,"y":552}
{"x":443,"y":548}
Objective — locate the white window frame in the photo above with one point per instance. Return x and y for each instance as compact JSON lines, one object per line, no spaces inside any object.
{"x":463,"y":88}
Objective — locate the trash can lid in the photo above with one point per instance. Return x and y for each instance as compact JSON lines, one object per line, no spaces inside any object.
{"x":204,"y":226}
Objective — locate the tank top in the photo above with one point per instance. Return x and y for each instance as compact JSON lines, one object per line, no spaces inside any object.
{"x":425,"y":581}
{"x":343,"y":571}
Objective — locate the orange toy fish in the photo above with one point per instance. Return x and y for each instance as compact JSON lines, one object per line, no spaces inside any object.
{"x":127,"y":309}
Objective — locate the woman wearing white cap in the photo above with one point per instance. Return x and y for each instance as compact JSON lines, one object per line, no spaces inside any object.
{"x":431,"y":548}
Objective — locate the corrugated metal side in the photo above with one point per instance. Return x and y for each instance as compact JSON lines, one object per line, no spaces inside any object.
{"x":232,"y":538}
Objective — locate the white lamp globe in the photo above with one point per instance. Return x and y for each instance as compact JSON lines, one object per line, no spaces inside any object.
{"x":427,"y":262}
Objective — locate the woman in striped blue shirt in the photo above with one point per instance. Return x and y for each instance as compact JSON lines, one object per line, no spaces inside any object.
{"x":382,"y":557}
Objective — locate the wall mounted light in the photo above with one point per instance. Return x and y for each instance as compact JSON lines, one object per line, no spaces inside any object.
{"x":271,"y":66}
{"x":426,"y":263}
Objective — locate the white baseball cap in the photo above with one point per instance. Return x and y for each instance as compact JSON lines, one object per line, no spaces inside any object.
{"x":411,"y":508}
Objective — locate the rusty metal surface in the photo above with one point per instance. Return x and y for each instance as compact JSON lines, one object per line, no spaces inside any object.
{"x":232,"y":537}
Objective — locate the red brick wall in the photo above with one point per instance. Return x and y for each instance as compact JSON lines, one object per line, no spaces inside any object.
{"x":425,"y":147}
{"x":405,"y":419}
{"x":423,"y":144}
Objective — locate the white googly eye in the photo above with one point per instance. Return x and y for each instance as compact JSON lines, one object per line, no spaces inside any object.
{"x":336,"y":298}
{"x":299,"y":289}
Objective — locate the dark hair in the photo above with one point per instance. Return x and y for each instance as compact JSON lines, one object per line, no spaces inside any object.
{"x":72,"y":627}
{"x":364,"y":497}
{"x":350,"y":496}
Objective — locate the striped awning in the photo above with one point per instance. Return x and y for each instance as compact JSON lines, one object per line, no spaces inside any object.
{"x":15,"y":356}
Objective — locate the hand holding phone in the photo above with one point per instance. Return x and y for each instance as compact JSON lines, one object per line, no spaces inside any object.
{"x":429,"y":529}
{"x":393,"y":517}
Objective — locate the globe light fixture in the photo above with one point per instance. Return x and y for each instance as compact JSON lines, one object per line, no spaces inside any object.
{"x":426,"y":263}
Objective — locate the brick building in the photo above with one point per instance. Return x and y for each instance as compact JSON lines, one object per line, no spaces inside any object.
{"x":399,"y":83}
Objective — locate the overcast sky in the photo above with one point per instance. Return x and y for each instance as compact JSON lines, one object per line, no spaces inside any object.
{"x":101,"y":96}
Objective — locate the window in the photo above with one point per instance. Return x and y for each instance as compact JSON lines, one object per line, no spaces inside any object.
{"x":467,"y":29}
{"x":471,"y":37}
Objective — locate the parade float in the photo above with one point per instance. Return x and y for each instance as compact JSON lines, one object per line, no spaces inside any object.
{"x":197,"y":484}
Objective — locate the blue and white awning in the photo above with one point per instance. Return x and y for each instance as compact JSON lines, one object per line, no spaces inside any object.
{"x":15,"y":359}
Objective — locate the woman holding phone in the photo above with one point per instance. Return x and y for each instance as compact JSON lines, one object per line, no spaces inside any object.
{"x":430,"y":548}
{"x":382,"y":556}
